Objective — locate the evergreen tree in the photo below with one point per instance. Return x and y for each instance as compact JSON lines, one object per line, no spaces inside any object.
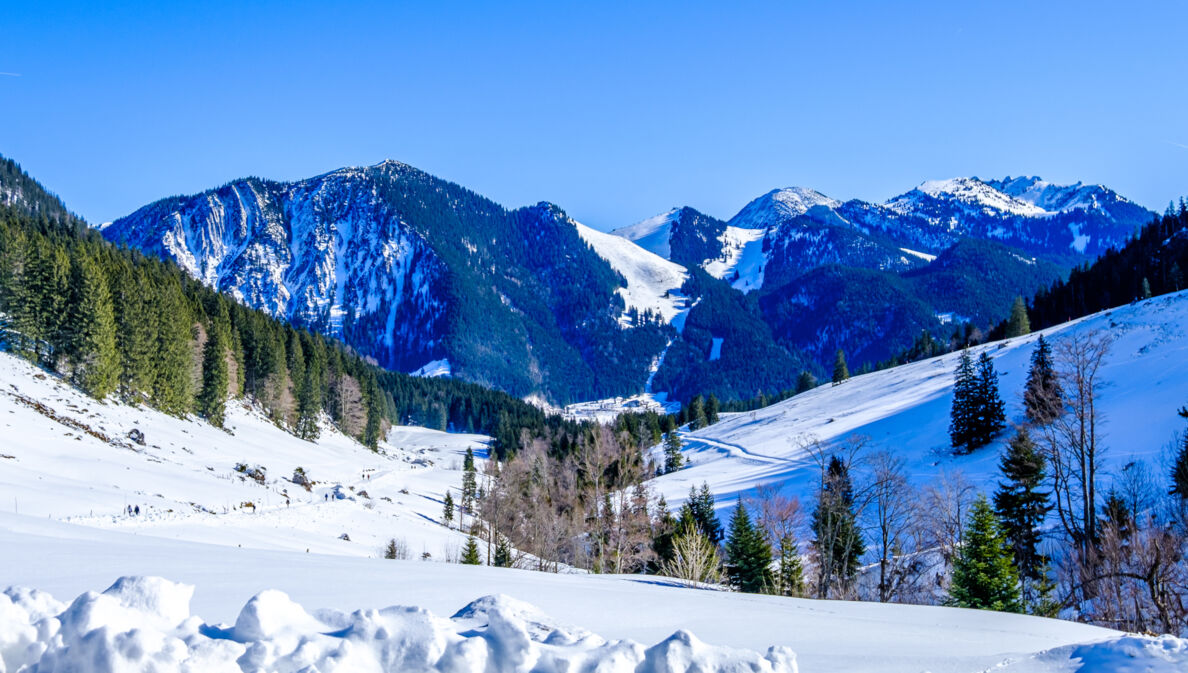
{"x":1018,"y":324}
{"x":663,"y":533}
{"x":91,"y":330}
{"x":840,"y":371}
{"x":673,"y":460}
{"x":991,"y":409}
{"x":212,"y":399}
{"x":748,"y":554}
{"x":835,"y":524}
{"x":503,"y":553}
{"x":984,"y":574}
{"x":696,"y":413}
{"x":699,"y":510}
{"x":806,"y":382}
{"x":1022,"y":505}
{"x":308,"y":405}
{"x":447,"y":513}
{"x":790,"y":578}
{"x":469,"y":482}
{"x":963,"y":413}
{"x":1042,"y":398}
{"x":1179,"y":475}
{"x":712,"y":407}
{"x":470,"y":554}
{"x":171,"y":362}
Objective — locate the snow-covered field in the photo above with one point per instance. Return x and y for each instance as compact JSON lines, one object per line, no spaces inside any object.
{"x":69,"y":469}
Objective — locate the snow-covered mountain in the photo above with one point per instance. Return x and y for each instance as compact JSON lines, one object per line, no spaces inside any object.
{"x":412,"y":270}
{"x":803,"y":229}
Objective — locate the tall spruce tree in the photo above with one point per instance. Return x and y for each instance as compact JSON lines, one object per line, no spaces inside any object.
{"x":211,"y":403}
{"x":696,"y":413}
{"x":1022,"y":505}
{"x":984,"y":575}
{"x":1179,"y":475}
{"x":790,"y":572}
{"x":171,"y":391}
{"x":1018,"y":324}
{"x":91,"y":329}
{"x":1042,"y":398}
{"x":748,"y":555}
{"x":963,"y":413}
{"x":673,"y":460}
{"x":991,"y":410}
{"x":840,"y":371}
{"x":469,"y":482}
{"x":712,"y":408}
{"x":699,"y":509}
{"x":834,"y":522}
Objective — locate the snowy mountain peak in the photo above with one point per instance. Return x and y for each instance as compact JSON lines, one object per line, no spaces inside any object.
{"x":778,"y":206}
{"x":973,"y":191}
{"x":653,"y":233}
{"x":1060,"y":198}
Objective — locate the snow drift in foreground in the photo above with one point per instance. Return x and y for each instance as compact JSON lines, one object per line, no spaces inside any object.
{"x":144,"y":623}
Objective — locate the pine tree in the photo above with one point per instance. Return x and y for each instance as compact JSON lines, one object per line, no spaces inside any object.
{"x":712,"y":408}
{"x":447,"y":513}
{"x":838,"y":540}
{"x":170,"y":365}
{"x":470,"y":554}
{"x":963,"y":413}
{"x":805,"y":382}
{"x":1021,"y":507}
{"x":91,"y":329}
{"x":1042,"y":398}
{"x":212,"y":399}
{"x":991,"y":411}
{"x":696,"y":413}
{"x":673,"y":460}
{"x":503,"y":553}
{"x":840,"y":371}
{"x":1179,"y":475}
{"x":700,"y":511}
{"x":663,"y":532}
{"x":984,"y":574}
{"x":1018,"y":324}
{"x":790,"y":578}
{"x":469,"y":482}
{"x":748,"y":554}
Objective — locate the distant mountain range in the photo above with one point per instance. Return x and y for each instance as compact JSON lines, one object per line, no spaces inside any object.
{"x":422,"y":274}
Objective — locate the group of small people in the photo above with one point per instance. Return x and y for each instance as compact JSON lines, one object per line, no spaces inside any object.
{"x":133,"y":511}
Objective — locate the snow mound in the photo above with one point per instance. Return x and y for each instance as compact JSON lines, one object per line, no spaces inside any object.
{"x":144,"y":624}
{"x":1127,"y":654}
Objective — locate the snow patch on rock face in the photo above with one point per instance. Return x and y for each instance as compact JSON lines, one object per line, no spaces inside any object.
{"x":144,"y":623}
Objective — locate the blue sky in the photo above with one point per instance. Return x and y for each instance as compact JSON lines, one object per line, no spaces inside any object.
{"x":613,"y":112}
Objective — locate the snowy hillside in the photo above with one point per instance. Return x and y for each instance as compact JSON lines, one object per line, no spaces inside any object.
{"x":652,"y":234}
{"x":905,"y":410}
{"x":71,"y":467}
{"x":653,"y":283}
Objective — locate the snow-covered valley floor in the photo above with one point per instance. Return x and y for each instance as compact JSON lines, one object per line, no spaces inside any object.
{"x":69,"y":470}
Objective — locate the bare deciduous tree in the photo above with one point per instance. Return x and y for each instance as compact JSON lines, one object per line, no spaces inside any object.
{"x":893,"y":522}
{"x":694,"y":559}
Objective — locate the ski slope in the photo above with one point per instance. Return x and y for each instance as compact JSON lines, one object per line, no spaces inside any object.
{"x":653,"y":283}
{"x":905,"y":410}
